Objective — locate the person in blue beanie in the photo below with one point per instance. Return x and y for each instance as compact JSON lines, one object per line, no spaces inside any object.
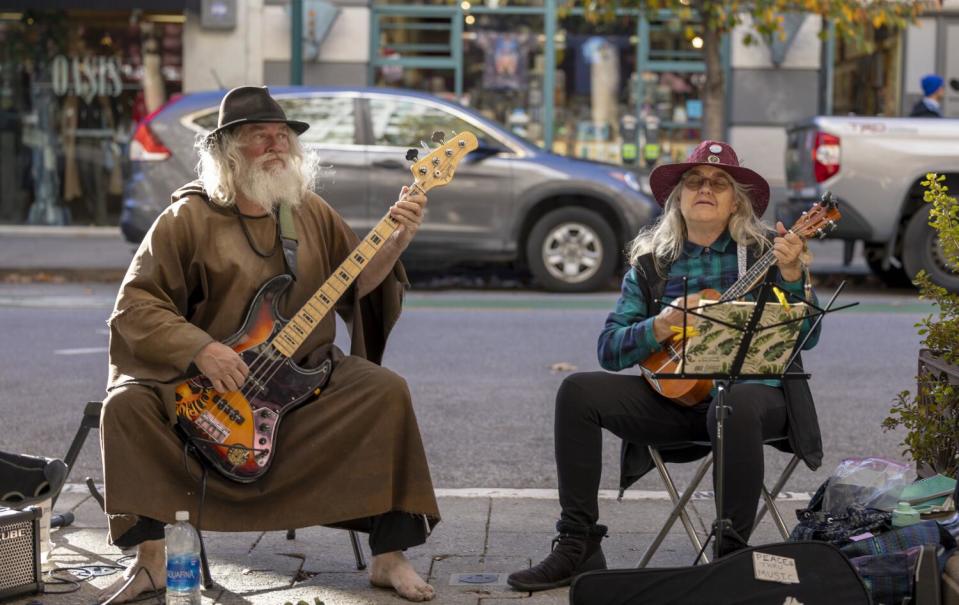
{"x":930,"y":105}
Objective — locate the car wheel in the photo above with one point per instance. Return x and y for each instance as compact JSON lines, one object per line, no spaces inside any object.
{"x":572,"y":250}
{"x":921,"y":251}
{"x":894,"y":277}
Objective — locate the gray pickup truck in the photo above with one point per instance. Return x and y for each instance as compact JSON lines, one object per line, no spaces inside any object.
{"x":874,"y":167}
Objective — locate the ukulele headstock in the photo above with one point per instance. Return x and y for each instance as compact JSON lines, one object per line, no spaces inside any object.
{"x":818,"y":220}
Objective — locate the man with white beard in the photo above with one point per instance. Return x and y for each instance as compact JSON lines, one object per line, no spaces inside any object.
{"x":351,"y":457}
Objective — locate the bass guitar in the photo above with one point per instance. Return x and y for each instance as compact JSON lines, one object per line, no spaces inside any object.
{"x":815,"y":222}
{"x":236,"y":431}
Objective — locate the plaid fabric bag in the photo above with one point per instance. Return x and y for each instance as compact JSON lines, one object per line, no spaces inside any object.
{"x":889,"y":578}
{"x":902,"y":539}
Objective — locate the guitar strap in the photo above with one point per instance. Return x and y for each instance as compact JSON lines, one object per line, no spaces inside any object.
{"x":653,"y":284}
{"x":288,"y":239}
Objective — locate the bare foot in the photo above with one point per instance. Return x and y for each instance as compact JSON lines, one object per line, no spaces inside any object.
{"x":150,"y":564}
{"x":393,"y":570}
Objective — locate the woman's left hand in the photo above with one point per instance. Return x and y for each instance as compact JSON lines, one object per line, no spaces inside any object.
{"x":787,"y":248}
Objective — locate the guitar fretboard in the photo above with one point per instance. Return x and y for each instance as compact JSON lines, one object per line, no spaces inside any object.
{"x":289,"y":339}
{"x":750,"y":279}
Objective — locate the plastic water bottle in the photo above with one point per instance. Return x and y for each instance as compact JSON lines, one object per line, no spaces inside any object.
{"x":182,"y":562}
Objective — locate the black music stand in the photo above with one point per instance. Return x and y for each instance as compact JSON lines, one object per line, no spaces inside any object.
{"x":725,"y":379}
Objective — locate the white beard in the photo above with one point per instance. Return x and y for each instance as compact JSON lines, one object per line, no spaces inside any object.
{"x":270,"y":187}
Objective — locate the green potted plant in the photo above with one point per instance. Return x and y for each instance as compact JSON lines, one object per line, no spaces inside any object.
{"x":931,"y":415}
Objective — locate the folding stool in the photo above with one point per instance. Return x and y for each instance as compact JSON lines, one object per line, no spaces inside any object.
{"x":680,"y":501}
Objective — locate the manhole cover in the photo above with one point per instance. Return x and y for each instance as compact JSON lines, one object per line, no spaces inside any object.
{"x":474,"y":579}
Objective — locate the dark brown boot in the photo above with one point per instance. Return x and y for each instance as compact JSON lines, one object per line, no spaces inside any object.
{"x":575,"y":550}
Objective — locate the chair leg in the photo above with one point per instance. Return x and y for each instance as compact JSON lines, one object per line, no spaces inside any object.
{"x":679,"y":506}
{"x":769,"y":498}
{"x":291,"y":534}
{"x":91,"y":420}
{"x":357,"y":551}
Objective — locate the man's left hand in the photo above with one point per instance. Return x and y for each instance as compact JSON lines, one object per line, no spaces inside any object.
{"x":408,"y":210}
{"x":787,"y":248}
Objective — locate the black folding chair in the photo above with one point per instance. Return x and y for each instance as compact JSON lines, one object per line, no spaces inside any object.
{"x":681,"y":500}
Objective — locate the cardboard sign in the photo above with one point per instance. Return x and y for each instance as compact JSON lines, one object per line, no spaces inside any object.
{"x":775,"y":569}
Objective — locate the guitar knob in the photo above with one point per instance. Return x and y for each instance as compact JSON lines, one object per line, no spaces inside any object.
{"x":264,"y":428}
{"x":262,"y":440}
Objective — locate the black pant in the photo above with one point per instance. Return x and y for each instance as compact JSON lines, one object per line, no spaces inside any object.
{"x":388,"y":532}
{"x":628,"y":407}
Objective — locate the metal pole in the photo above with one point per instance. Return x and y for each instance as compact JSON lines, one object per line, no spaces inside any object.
{"x":296,"y":42}
{"x":549,"y":73}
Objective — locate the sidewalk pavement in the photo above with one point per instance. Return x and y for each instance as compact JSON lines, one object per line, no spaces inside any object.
{"x":484,"y":535}
{"x":101,"y":253}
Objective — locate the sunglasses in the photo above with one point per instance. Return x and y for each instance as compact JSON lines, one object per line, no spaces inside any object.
{"x":717,"y":184}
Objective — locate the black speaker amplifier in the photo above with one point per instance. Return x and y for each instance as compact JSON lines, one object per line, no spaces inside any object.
{"x":19,"y":552}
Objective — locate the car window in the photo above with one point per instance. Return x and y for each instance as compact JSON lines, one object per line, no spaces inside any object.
{"x":330,"y":119}
{"x":403,"y":123}
{"x":207,"y":121}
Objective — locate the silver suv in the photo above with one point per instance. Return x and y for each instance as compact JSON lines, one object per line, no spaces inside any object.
{"x":566,"y":221}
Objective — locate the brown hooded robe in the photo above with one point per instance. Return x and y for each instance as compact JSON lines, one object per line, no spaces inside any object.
{"x":352,"y":453}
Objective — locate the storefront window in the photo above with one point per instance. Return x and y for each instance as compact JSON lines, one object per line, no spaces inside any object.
{"x":672,"y":82}
{"x":626,"y":91}
{"x":503,"y":57}
{"x":868,"y":84}
{"x":72,"y":88}
{"x":595,"y":90}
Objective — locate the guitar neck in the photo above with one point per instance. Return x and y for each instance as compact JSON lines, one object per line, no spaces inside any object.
{"x":755,"y":273}
{"x":289,"y":339}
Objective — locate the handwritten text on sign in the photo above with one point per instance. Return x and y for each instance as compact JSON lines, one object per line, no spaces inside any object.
{"x":775,"y":569}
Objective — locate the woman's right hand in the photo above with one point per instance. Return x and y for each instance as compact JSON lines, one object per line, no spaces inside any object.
{"x":670,"y":317}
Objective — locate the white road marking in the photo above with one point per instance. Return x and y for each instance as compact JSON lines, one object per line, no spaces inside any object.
{"x":58,"y":302}
{"x":537,"y":494}
{"x":81,"y":351}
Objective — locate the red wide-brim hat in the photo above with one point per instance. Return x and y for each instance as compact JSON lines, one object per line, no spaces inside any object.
{"x":718,"y":154}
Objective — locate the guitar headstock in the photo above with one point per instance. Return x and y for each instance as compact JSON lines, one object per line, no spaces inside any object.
{"x":437,"y":168}
{"x":818,"y":220}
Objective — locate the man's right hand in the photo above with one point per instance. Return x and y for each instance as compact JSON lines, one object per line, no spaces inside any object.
{"x":670,"y":316}
{"x":222,"y":365}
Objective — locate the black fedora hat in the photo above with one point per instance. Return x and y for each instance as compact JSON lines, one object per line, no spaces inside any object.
{"x":249,"y":105}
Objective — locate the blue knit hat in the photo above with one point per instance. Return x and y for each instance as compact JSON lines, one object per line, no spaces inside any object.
{"x":931,"y":84}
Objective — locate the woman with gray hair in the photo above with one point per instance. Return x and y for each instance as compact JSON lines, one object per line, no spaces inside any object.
{"x":709,"y":231}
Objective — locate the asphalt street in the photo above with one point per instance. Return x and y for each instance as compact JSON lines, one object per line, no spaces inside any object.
{"x":483,"y":368}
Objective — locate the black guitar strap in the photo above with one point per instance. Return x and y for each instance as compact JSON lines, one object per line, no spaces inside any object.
{"x":288,"y":238}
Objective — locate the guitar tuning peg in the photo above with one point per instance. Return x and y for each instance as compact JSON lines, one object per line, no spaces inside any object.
{"x":438,"y":136}
{"x":412,"y":154}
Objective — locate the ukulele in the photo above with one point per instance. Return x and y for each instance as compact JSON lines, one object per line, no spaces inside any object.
{"x":815,"y":222}
{"x":236,"y":431}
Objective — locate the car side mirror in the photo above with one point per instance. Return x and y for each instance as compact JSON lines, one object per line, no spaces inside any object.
{"x":483,"y":151}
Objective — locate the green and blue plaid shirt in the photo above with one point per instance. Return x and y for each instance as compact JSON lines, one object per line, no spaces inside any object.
{"x":627,"y":338}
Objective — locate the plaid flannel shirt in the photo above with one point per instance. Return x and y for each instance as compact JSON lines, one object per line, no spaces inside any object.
{"x":627,"y":338}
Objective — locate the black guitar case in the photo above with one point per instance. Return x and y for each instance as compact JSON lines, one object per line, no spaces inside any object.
{"x":825,"y":578}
